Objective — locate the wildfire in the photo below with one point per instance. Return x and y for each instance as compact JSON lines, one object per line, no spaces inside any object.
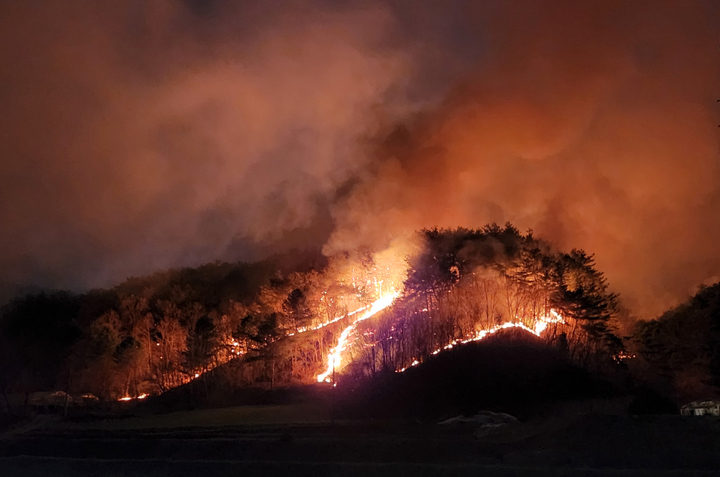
{"x":303,"y":329}
{"x":540,"y":326}
{"x":130,"y":398}
{"x":621,"y":356}
{"x":335,"y":355}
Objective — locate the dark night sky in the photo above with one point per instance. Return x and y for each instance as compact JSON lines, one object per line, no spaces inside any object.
{"x":137,"y":136}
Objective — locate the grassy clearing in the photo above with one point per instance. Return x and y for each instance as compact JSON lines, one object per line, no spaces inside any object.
{"x":304,"y":413}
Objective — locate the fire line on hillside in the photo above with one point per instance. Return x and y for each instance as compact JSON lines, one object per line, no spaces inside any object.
{"x":335,"y":356}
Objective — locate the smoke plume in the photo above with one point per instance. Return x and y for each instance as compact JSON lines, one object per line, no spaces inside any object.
{"x":137,"y":136}
{"x":592,"y":123}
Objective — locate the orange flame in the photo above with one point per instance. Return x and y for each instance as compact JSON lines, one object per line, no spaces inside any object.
{"x":335,"y":356}
{"x":130,"y":398}
{"x":540,"y":326}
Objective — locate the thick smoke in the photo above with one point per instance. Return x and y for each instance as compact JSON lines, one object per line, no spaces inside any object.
{"x":142,"y":135}
{"x":592,"y":123}
{"x":138,"y":135}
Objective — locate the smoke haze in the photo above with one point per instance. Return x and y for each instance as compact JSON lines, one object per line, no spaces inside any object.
{"x":138,"y":136}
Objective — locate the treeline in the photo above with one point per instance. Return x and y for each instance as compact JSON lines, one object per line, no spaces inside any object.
{"x":274,"y":322}
{"x":680,"y":350}
{"x":150,"y":334}
{"x":469,"y":281}
{"x":145,"y":335}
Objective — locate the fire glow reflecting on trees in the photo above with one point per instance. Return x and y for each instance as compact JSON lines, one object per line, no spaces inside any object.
{"x":335,"y":355}
{"x":540,"y":326}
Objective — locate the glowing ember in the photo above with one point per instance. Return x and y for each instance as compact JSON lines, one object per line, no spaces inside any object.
{"x":130,"y":398}
{"x":335,"y":355}
{"x":623,"y":356}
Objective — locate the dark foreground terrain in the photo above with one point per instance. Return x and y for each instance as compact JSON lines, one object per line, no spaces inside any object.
{"x":570,"y":423}
{"x":256,"y":443}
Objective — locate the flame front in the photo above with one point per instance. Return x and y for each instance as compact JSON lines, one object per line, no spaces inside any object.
{"x":335,"y":355}
{"x":540,"y":326}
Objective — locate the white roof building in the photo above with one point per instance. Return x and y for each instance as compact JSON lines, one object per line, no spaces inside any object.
{"x":701,"y":408}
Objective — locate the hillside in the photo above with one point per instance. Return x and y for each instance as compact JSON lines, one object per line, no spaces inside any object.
{"x":302,"y":318}
{"x":512,"y":371}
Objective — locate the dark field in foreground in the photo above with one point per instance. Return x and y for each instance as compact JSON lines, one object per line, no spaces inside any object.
{"x":571,"y":423}
{"x":574,"y":444}
{"x":511,"y":371}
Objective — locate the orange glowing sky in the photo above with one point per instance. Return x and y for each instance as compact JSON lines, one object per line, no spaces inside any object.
{"x":137,"y":136}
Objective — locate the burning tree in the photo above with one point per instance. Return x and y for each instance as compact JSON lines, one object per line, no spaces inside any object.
{"x":386,"y":310}
{"x":466,"y":284}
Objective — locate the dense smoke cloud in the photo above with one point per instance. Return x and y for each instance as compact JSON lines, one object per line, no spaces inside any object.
{"x":592,"y":123}
{"x":137,"y":135}
{"x":142,"y":135}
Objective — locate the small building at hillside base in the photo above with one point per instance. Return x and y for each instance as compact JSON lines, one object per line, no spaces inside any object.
{"x":701,"y":408}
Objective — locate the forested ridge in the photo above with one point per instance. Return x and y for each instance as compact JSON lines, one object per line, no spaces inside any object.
{"x":681,"y":348}
{"x":272,"y":323}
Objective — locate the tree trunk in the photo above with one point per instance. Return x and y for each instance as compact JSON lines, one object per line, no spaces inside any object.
{"x":67,"y":395}
{"x":7,"y":401}
{"x":272,"y":375}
